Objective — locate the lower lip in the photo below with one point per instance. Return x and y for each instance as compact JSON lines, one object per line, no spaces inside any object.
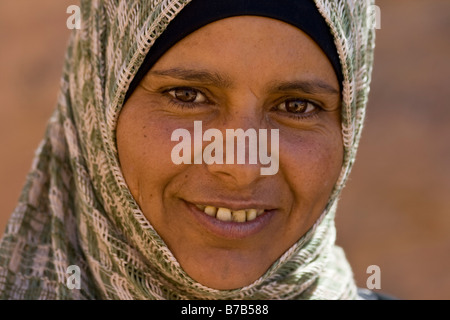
{"x":227,"y":229}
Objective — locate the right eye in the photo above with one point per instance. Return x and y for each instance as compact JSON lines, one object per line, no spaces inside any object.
{"x":297,"y":106}
{"x":187,"y":95}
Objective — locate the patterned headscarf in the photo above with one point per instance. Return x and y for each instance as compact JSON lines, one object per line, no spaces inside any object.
{"x":76,"y":209}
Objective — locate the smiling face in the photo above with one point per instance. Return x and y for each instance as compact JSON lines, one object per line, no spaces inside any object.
{"x":241,"y":72}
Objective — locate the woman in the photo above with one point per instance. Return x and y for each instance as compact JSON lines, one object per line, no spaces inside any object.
{"x":130,"y":186}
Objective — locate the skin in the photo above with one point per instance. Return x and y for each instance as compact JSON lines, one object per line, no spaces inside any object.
{"x":258,"y":71}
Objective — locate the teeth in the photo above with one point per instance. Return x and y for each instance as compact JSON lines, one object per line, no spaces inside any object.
{"x":251,"y":214}
{"x":225,"y":214}
{"x":239,"y":216}
{"x":210,"y":211}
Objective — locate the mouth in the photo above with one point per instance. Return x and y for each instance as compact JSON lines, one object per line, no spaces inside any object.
{"x":230,"y":223}
{"x":226,"y":214}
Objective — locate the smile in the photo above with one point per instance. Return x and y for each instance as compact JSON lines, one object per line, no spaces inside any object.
{"x":231,"y":221}
{"x":226,"y":215}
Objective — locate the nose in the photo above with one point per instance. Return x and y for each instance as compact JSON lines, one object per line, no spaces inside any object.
{"x":240,"y":147}
{"x":238,"y":177}
{"x":235,"y":174}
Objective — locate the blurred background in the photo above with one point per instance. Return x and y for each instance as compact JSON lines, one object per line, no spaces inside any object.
{"x":395,"y":210}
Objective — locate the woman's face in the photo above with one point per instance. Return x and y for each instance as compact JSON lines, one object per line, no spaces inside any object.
{"x":241,"y":72}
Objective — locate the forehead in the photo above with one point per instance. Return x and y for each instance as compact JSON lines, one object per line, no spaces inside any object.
{"x":250,"y":45}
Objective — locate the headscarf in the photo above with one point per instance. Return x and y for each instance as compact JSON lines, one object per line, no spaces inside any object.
{"x":77,"y":210}
{"x":302,"y":14}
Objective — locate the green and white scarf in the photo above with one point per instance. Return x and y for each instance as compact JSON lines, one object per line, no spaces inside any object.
{"x":76,"y":208}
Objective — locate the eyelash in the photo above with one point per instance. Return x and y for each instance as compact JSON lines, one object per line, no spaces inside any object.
{"x":300,"y":116}
{"x":175,"y":102}
{"x":182,"y":105}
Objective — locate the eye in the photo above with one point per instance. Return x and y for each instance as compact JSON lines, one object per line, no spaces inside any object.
{"x":187,"y":95}
{"x":297,"y":106}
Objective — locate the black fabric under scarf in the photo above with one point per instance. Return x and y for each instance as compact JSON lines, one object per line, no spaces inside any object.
{"x":302,"y":14}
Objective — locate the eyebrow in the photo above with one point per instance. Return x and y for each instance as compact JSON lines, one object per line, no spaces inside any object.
{"x":307,"y":86}
{"x":211,"y":78}
{"x":315,"y":86}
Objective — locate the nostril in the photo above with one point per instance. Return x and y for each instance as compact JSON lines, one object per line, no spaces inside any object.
{"x":236,"y":176}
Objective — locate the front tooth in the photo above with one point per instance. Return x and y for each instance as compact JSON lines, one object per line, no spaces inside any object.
{"x":251,"y":214}
{"x":210,"y":211}
{"x":223,"y":214}
{"x":259,"y":212}
{"x":239,"y":216}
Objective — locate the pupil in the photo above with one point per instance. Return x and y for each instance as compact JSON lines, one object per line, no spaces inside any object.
{"x":296,"y":106}
{"x":186,"y":95}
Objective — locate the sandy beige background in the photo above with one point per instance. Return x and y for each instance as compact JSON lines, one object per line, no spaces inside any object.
{"x":395,"y":211}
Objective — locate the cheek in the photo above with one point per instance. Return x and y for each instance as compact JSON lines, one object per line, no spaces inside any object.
{"x":312,"y":164}
{"x":144,"y":149}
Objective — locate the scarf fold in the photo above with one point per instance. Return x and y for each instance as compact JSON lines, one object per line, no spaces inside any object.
{"x":76,"y":209}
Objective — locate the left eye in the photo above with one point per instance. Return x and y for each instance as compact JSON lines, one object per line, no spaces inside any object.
{"x":297,"y":106}
{"x":187,"y":95}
